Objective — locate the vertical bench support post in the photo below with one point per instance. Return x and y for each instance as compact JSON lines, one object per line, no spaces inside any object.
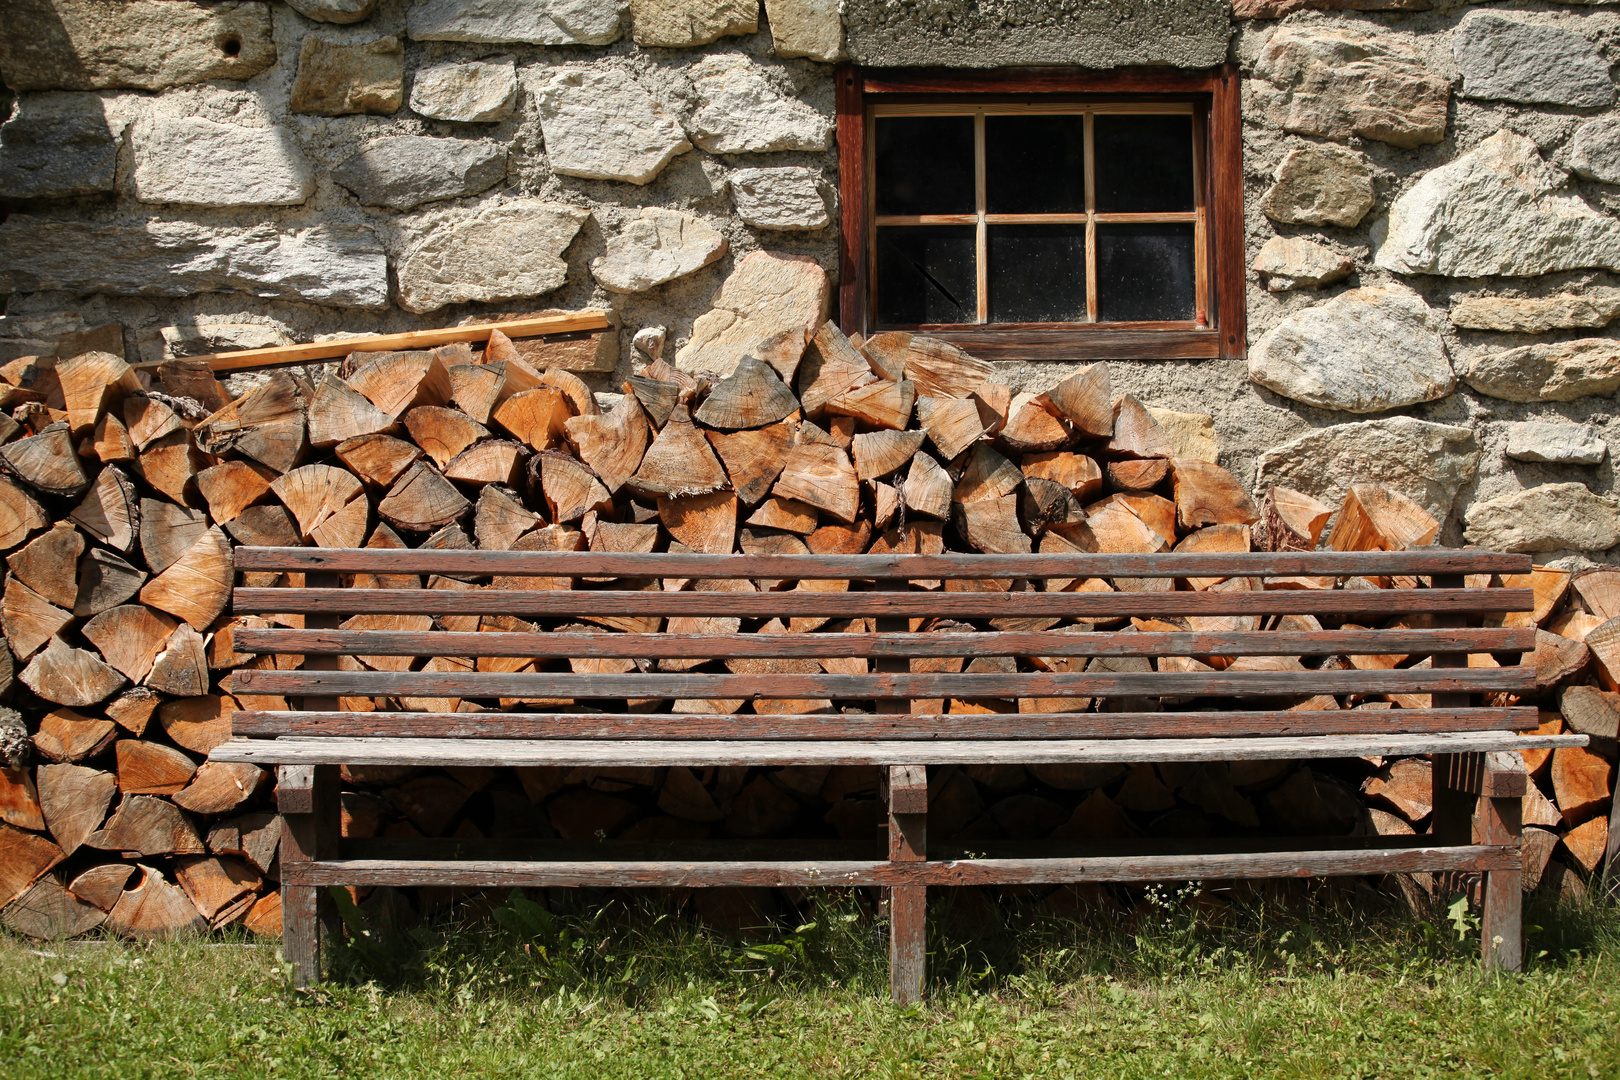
{"x":1501,"y":806}
{"x":908,"y":904}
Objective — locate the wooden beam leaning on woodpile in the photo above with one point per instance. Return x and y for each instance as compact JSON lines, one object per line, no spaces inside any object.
{"x":1243,"y":693}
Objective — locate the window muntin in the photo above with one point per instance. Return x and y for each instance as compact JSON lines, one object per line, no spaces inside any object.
{"x":1079,"y":213}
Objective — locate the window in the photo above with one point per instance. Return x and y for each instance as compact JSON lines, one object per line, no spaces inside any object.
{"x":1033,"y":215}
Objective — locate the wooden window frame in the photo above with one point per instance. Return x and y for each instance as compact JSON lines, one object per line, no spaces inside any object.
{"x":1217,"y":113}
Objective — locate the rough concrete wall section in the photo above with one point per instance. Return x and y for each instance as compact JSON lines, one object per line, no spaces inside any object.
{"x":1005,"y":33}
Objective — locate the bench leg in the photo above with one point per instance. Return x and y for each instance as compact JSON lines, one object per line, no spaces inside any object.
{"x":307,"y":799}
{"x":1502,"y":925}
{"x":908,"y":904}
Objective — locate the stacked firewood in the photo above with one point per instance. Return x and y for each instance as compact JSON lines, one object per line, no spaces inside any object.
{"x":121,"y":500}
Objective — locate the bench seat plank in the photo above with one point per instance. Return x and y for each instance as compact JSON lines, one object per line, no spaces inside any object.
{"x":622,"y":753}
{"x":1045,"y":871}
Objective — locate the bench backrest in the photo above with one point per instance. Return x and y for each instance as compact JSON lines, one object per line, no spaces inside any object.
{"x":489,"y":623}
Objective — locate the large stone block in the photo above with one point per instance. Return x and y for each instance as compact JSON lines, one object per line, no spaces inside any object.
{"x":407,"y":170}
{"x":600,"y":124}
{"x":1595,"y":151}
{"x":961,"y":33}
{"x":813,"y":29}
{"x":767,"y":293}
{"x":1497,"y":210}
{"x":1556,"y":444}
{"x":197,"y":162}
{"x":58,"y":145}
{"x":141,"y":44}
{"x":335,"y":266}
{"x":1337,"y":81}
{"x":334,"y":11}
{"x":336,"y":78}
{"x":481,"y":92}
{"x":1549,"y":371}
{"x":740,"y":112}
{"x":1320,"y":185}
{"x":1536,"y":315}
{"x":1428,"y":463}
{"x":786,"y":198}
{"x":659,"y":246}
{"x":1504,"y":59}
{"x":533,"y":22}
{"x":1363,"y":351}
{"x":502,"y":251}
{"x":682,"y":24}
{"x":1292,"y":262}
{"x":1276,"y":9}
{"x":1552,"y":517}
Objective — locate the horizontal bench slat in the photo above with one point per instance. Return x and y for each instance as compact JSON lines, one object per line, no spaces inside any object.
{"x":572,"y":603}
{"x":1126,"y":868}
{"x":809,"y":646}
{"x":610,"y":564}
{"x":607,"y":753}
{"x":495,"y":684}
{"x":1121,"y":725}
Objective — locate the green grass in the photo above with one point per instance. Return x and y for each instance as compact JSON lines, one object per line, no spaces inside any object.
{"x":1177,"y":986}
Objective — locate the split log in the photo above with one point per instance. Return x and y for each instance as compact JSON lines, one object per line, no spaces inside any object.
{"x":1086,"y":400}
{"x":198,"y":724}
{"x":133,"y":709}
{"x":29,"y":619}
{"x":942,"y":370}
{"x":1076,"y":472}
{"x":495,"y":461}
{"x":753,"y":459}
{"x":1213,"y":539}
{"x":1289,"y":521}
{"x":266,"y":424}
{"x":831,"y":367}
{"x":1407,"y":785}
{"x":881,"y":404}
{"x":376,"y":459}
{"x":149,"y":768}
{"x":338,"y":414}
{"x":886,"y":353}
{"x":657,"y":397}
{"x":19,"y":514}
{"x":1046,"y":503}
{"x":49,"y":912}
{"x":130,"y":637}
{"x":253,"y":837}
{"x":752,"y":396}
{"x":987,"y":475}
{"x":422,"y":500}
{"x":994,"y":400}
{"x":105,"y":581}
{"x":47,"y":462}
{"x":952,"y":425}
{"x":69,"y":676}
{"x":19,"y":800}
{"x":1603,"y":641}
{"x":264,"y":917}
{"x":110,"y":510}
{"x":1209,"y":495}
{"x":168,"y":532}
{"x":879,"y":453}
{"x":612,"y":443}
{"x":536,"y":417}
{"x":24,"y":856}
{"x":1137,"y":474}
{"x":788,"y":515}
{"x":1136,"y":433}
{"x":1599,"y":590}
{"x":1030,"y":428}
{"x":1594,"y":713}
{"x":1375,"y":517}
{"x":706,"y":523}
{"x":476,"y":389}
{"x":102,"y":885}
{"x":220,"y":786}
{"x":232,"y":486}
{"x":181,"y":669}
{"x":443,"y":433}
{"x":1113,"y":528}
{"x":111,"y":440}
{"x":397,"y":382}
{"x":991,"y":526}
{"x":840,"y":539}
{"x":569,"y":488}
{"x":198,"y":586}
{"x":500,"y":518}
{"x":154,"y":909}
{"x":1587,"y":843}
{"x":822,"y":476}
{"x":927,"y":488}
{"x":679,"y":462}
{"x":145,"y":420}
{"x":580,"y":397}
{"x":91,"y":384}
{"x":186,"y":377}
{"x":1580,"y":782}
{"x":268,"y":525}
{"x":220,"y":889}
{"x":148,"y":825}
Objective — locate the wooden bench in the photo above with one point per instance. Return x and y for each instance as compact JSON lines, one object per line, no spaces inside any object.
{"x":1245,"y":713}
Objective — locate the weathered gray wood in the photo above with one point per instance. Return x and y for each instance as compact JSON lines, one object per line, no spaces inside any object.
{"x":604,"y":564}
{"x":301,"y":751}
{"x":735,"y":646}
{"x":1467,"y":859}
{"x":981,"y":605}
{"x":704,"y":726}
{"x":908,"y":904}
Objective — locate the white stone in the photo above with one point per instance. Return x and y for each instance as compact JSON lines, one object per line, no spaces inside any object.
{"x":337,"y":266}
{"x":808,"y":28}
{"x":194,"y":339}
{"x":767,"y":293}
{"x":1292,"y":262}
{"x":1191,"y":435}
{"x":1506,"y":59}
{"x":1363,"y":351}
{"x":1556,"y":444}
{"x":504,"y":22}
{"x":1595,"y":151}
{"x":1428,"y":463}
{"x":1549,"y":371}
{"x":740,"y":112}
{"x":1497,"y":210}
{"x":334,"y":11}
{"x":650,"y":341}
{"x":1552,"y":517}
{"x":480,"y":92}
{"x":1320,"y":185}
{"x":786,"y":198}
{"x":659,"y":246}
{"x":501,"y":251}
{"x":683,"y":24}
{"x":1536,"y":315}
{"x":190,"y":160}
{"x":600,"y":124}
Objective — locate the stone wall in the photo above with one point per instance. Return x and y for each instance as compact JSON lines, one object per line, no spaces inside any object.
{"x":1430,"y":199}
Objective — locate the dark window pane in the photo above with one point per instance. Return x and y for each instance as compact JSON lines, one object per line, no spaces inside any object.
{"x":925,"y":274}
{"x":1037,"y":273}
{"x":925,"y":165}
{"x":1145,"y":273}
{"x":1035,"y":164}
{"x":1144,"y":164}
